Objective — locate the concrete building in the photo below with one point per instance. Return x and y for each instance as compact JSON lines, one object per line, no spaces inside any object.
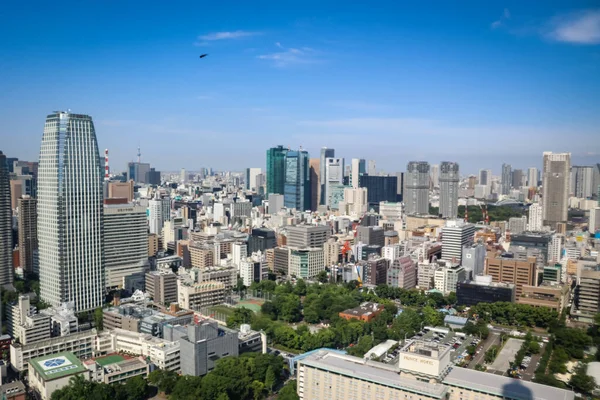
{"x":305,"y":263}
{"x":251,"y":178}
{"x":315,"y":182}
{"x":358,"y":168}
{"x":446,"y":278}
{"x":416,"y":188}
{"x":435,"y":176}
{"x":202,"y":255}
{"x":449,"y":179}
{"x":455,"y":235}
{"x":276,"y":203}
{"x":194,"y":296}
{"x":156,"y":215}
{"x":391,"y":252}
{"x":517,"y":224}
{"x":402,"y":273}
{"x":473,"y":259}
{"x":536,"y":219}
{"x":26,"y":324}
{"x":302,"y":236}
{"x":485,"y":177}
{"x":506,"y":179}
{"x":391,"y":211}
{"x":325,"y":153}
{"x":426,"y":275}
{"x":121,"y":190}
{"x":594,"y":220}
{"x":582,"y":181}
{"x":13,"y":391}
{"x":532,"y":177}
{"x":483,"y":290}
{"x":334,"y":175}
{"x":510,"y":270}
{"x":370,"y":235}
{"x":355,"y":202}
{"x":28,"y":237}
{"x":375,"y":271}
{"x":281,"y":260}
{"x":53,"y":372}
{"x":162,"y":286}
{"x":6,"y":267}
{"x":125,"y":242}
{"x":587,"y":299}
{"x":366,"y":312}
{"x":556,"y":188}
{"x":331,"y":252}
{"x":553,"y":296}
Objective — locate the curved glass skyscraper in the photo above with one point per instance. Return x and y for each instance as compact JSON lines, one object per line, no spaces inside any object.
{"x":70,"y":213}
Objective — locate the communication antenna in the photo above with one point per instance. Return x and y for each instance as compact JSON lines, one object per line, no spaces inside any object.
{"x":139,"y":154}
{"x":105,"y":164}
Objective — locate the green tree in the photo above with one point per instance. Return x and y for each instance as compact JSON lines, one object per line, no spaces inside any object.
{"x":136,"y":388}
{"x":257,"y":389}
{"x":471,"y":350}
{"x":491,"y":354}
{"x":288,"y":392}
{"x":99,"y":318}
{"x":186,"y":388}
{"x":432,"y":317}
{"x":300,"y":288}
{"x":322,"y":277}
{"x":581,"y":381}
{"x":240,"y":315}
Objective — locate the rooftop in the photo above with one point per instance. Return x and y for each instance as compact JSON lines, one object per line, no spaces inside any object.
{"x":504,"y":386}
{"x":57,"y":366}
{"x":366,"y":308}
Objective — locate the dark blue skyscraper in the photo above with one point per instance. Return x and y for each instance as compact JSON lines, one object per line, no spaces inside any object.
{"x":297,"y":180}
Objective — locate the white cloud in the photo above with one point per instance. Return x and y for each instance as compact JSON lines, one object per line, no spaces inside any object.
{"x":290,"y":56}
{"x":204,"y":40}
{"x":581,"y":27}
{"x":502,"y":20}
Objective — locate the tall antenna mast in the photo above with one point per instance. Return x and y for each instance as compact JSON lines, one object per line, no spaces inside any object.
{"x":139,"y":155}
{"x":105,"y":164}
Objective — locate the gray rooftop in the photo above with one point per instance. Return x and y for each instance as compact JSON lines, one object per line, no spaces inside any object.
{"x":378,"y":373}
{"x":503,"y":386}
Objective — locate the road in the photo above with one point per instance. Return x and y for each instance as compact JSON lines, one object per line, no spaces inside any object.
{"x":493,"y":339}
{"x":529,"y":373}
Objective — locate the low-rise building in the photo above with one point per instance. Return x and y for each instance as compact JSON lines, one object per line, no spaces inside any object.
{"x":53,"y":372}
{"x":193,"y":296}
{"x":115,"y":368}
{"x":483,"y":290}
{"x":13,"y":391}
{"x":25,"y":324}
{"x":365,"y":312}
{"x":554,"y":296}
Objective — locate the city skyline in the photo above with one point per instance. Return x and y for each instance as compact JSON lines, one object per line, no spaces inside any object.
{"x":332,"y":77}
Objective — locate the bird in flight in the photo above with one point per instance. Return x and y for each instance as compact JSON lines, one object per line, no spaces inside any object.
{"x":203,"y":55}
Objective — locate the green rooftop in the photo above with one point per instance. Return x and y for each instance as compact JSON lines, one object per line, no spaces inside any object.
{"x":110,"y":359}
{"x":57,"y":366}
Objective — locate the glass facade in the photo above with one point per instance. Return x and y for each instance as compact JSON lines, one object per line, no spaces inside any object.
{"x":297,"y":181}
{"x":276,"y":170}
{"x":379,"y":188}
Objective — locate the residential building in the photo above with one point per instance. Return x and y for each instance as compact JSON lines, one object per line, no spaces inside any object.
{"x":6,"y":267}
{"x":121,"y":190}
{"x":402,"y":273}
{"x":391,"y":251}
{"x":13,"y":391}
{"x":325,"y":153}
{"x":365,"y":312}
{"x":587,"y":299}
{"x":50,"y":373}
{"x":26,"y":324}
{"x":555,"y":249}
{"x":370,"y":235}
{"x":449,"y":179}
{"x":297,"y":181}
{"x":358,"y":168}
{"x":276,"y":203}
{"x":305,"y":263}
{"x":251,"y":178}
{"x":276,"y":170}
{"x":534,"y":243}
{"x":556,"y":187}
{"x":194,"y":296}
{"x":331,"y":252}
{"x":152,"y":244}
{"x":446,"y":278}
{"x":28,"y":236}
{"x":426,"y":275}
{"x":302,"y":236}
{"x":483,"y":290}
{"x":334,"y":175}
{"x":435,"y":176}
{"x":532,"y":177}
{"x":281,"y":260}
{"x":473,"y":259}
{"x":162,"y":286}
{"x":536,"y":220}
{"x":125,"y":242}
{"x":70,"y":199}
{"x":506,"y":179}
{"x":455,"y":235}
{"x":253,"y":269}
{"x":594,"y":220}
{"x":416,"y":188}
{"x":224,"y":274}
{"x":517,"y":224}
{"x":261,"y":240}
{"x":510,"y":270}
{"x":582,"y":181}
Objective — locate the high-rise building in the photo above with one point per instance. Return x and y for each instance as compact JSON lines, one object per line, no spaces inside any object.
{"x":399,"y":186}
{"x":594,"y":220}
{"x":582,"y":181}
{"x":416,"y":188}
{"x":536,"y":221}
{"x":155,"y":215}
{"x":358,"y":168}
{"x":70,"y":213}
{"x":456,"y":234}
{"x":355,"y":202}
{"x":125,"y":242}
{"x":596,"y":184}
{"x":448,"y":182}
{"x":473,"y":259}
{"x":379,"y":188}
{"x":517,"y":178}
{"x":485,"y":177}
{"x":183,"y":176}
{"x":435,"y":175}
{"x":28,"y":236}
{"x":325,"y":153}
{"x":302,"y":236}
{"x":371,"y":167}
{"x":334,"y":175}
{"x":315,"y":183}
{"x":297,"y":180}
{"x":138,"y":172}
{"x":517,"y":224}
{"x":532,"y":177}
{"x":251,"y":178}
{"x":6,"y":268}
{"x":506,"y":179}
{"x":276,"y":170}
{"x":556,"y":185}
{"x":276,"y":202}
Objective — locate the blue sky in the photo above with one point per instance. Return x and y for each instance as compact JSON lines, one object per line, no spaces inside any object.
{"x":480,"y":83}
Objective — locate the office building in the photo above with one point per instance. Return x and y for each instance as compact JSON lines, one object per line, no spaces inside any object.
{"x":70,"y":213}
{"x":402,"y":273}
{"x":195,"y":296}
{"x":549,"y":295}
{"x":582,"y":181}
{"x":252,"y":175}
{"x":162,"y":286}
{"x":399,"y":186}
{"x":276,"y":170}
{"x":506,"y":179}
{"x":325,"y":153}
{"x":510,"y":270}
{"x":153,"y":177}
{"x":555,"y":248}
{"x":28,"y":237}
{"x":556,"y":185}
{"x":517,"y":178}
{"x":375,"y":270}
{"x":261,"y":240}
{"x":334,"y":175}
{"x":390,"y":211}
{"x":435,"y":176}
{"x":483,"y":290}
{"x":6,"y":267}
{"x":371,"y":167}
{"x":532,"y":177}
{"x":156,"y":215}
{"x":587,"y":298}
{"x":125,"y":242}
{"x":535,"y":222}
{"x":594,"y":220}
{"x":306,"y":263}
{"x":379,"y":188}
{"x":455,"y":235}
{"x":448,"y":182}
{"x":355,"y":202}
{"x":473,"y":259}
{"x":416,"y":188}
{"x":331,"y":252}
{"x":276,"y":203}
{"x":138,"y":171}
{"x":517,"y":224}
{"x":281,"y":260}
{"x":303,"y":236}
{"x":485,"y":177}
{"x":370,"y":235}
{"x":297,"y":181}
{"x":358,"y":168}
{"x":121,"y":190}
{"x":315,"y":183}
{"x":446,"y":278}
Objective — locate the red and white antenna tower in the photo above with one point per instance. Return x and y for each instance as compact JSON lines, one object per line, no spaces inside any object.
{"x":105,"y":164}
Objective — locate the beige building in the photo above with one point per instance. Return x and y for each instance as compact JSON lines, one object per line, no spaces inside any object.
{"x":152,"y":244}
{"x":193,"y":296}
{"x":28,"y":238}
{"x":553,"y":296}
{"x":162,"y":286}
{"x":510,"y":270}
{"x":415,"y":222}
{"x":331,"y":252}
{"x":202,"y":256}
{"x":51,"y":373}
{"x":16,"y":191}
{"x":121,"y":190}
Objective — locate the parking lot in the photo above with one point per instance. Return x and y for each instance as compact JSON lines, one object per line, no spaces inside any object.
{"x":507,"y":354}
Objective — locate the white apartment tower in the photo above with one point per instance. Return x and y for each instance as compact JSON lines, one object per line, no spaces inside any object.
{"x":355,"y":201}
{"x":6,"y":269}
{"x":70,"y":213}
{"x":155,"y":215}
{"x":535,"y":223}
{"x":532,"y":177}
